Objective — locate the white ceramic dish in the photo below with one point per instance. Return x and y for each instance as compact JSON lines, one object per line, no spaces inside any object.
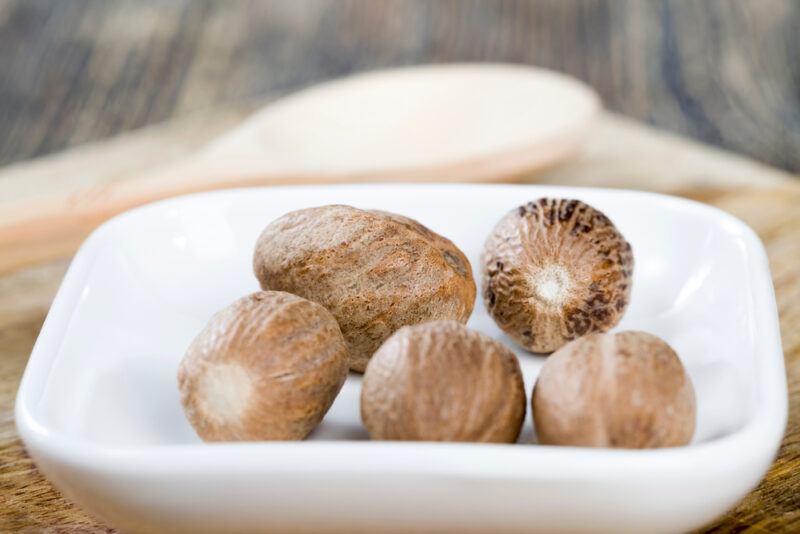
{"x":99,"y":412}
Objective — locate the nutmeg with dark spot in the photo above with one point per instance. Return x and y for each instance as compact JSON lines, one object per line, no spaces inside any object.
{"x":554,"y":270}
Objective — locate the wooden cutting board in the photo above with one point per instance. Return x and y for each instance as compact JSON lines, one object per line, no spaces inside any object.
{"x":619,"y":153}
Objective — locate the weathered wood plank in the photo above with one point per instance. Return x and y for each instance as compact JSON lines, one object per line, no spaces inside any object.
{"x":723,"y":71}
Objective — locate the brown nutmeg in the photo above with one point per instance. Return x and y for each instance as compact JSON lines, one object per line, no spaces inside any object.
{"x":374,"y":271}
{"x":441,"y":381}
{"x":614,"y":390}
{"x":554,"y":270}
{"x":267,"y":367}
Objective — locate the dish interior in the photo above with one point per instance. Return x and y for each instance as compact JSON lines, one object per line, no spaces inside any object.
{"x":157,"y":274}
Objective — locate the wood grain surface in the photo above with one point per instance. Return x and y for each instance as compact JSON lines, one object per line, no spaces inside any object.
{"x":724,"y":71}
{"x":619,"y":153}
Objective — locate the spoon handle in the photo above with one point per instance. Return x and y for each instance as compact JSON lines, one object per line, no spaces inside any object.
{"x":47,"y":229}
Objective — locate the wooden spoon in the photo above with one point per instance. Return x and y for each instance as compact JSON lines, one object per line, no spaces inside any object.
{"x":455,"y":123}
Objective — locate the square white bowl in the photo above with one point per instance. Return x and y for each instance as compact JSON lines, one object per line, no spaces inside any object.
{"x":98,"y":407}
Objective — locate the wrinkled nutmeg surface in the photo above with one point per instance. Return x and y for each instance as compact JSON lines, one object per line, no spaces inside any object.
{"x":614,"y":390}
{"x":374,"y":271}
{"x":441,"y":381}
{"x":267,"y":367}
{"x":554,"y":270}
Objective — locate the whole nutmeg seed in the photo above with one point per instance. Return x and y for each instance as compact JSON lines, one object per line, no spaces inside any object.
{"x":441,"y":381}
{"x":554,"y":270}
{"x":614,"y":390}
{"x":374,"y":271}
{"x":267,"y":367}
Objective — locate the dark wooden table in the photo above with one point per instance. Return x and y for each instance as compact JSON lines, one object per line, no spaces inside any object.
{"x":724,"y":71}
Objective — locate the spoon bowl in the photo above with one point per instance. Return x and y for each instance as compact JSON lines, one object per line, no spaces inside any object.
{"x":445,"y":123}
{"x":432,"y":123}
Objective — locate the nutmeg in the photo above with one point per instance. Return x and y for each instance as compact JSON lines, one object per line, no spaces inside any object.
{"x":614,"y":390}
{"x":267,"y":367}
{"x":554,"y":270}
{"x":441,"y":381}
{"x":374,"y":271}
